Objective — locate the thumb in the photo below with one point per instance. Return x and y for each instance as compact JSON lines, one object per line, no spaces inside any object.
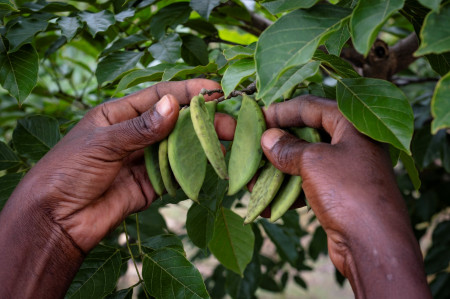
{"x":284,"y":150}
{"x":137,"y":133}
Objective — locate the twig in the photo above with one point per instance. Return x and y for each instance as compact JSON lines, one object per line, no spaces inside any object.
{"x":250,"y":89}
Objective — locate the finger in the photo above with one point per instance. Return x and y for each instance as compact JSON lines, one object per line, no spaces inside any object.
{"x":308,"y":111}
{"x":225,"y":126}
{"x":128,"y":136}
{"x":283,"y":150}
{"x":135,"y":104}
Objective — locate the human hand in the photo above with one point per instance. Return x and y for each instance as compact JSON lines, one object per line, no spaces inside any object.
{"x":352,"y":190}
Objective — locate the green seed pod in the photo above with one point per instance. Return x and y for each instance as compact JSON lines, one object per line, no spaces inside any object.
{"x":246,"y":151}
{"x":152,"y":165}
{"x":288,"y":193}
{"x":265,"y":189}
{"x":307,"y":134}
{"x":166,"y":172}
{"x":204,"y":128}
{"x":186,"y":156}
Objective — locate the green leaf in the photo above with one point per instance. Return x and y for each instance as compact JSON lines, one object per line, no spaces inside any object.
{"x":367,"y":19}
{"x":239,"y":52}
{"x":97,"y":22}
{"x":7,"y":5}
{"x":151,"y":224}
{"x":123,"y":15}
{"x":318,"y":243}
{"x":135,"y":77}
{"x":322,"y":90}
{"x":169,"y":16}
{"x":292,"y":40}
{"x":163,"y":241}
{"x":237,"y":73}
{"x":35,"y":135}
{"x":123,"y":43}
{"x":440,"y":105}
{"x":194,"y":50}
{"x":69,"y":26}
{"x":19,"y":71}
{"x":180,"y":70}
{"x":339,"y":65}
{"x":435,"y":33}
{"x":8,"y":158}
{"x":98,"y":274}
{"x":168,"y":274}
{"x":286,"y":243}
{"x":290,"y":79}
{"x":200,"y":225}
{"x":337,"y":39}
{"x":279,"y":6}
{"x":439,"y":62}
{"x":24,"y":29}
{"x":378,"y":109}
{"x":122,"y":294}
{"x":167,"y":49}
{"x":410,"y":167}
{"x":204,"y":7}
{"x":431,"y":4}
{"x":232,"y":242}
{"x":115,"y":64}
{"x":245,"y":287}
{"x":8,"y":183}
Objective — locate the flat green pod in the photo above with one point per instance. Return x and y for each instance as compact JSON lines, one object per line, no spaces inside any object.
{"x":307,"y":134}
{"x":153,"y":168}
{"x":166,"y":173}
{"x":286,"y":196}
{"x":186,"y":156}
{"x":204,"y":128}
{"x":265,"y":189}
{"x":246,"y":151}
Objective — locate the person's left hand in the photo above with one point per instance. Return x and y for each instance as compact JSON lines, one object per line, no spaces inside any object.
{"x":95,"y":177}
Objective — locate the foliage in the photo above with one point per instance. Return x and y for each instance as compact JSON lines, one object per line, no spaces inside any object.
{"x":58,"y":59}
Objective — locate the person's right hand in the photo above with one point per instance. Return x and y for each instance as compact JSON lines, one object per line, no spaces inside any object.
{"x":352,"y":190}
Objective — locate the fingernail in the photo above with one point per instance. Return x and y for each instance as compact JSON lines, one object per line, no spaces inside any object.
{"x":270,"y":138}
{"x":163,"y":107}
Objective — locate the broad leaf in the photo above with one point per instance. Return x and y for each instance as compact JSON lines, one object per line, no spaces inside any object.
{"x":8,"y":183}
{"x":232,"y":242}
{"x":122,"y":294}
{"x":180,"y":70}
{"x":123,"y":15}
{"x":292,"y":40}
{"x":112,"y":66}
{"x":135,"y":77}
{"x":431,"y":4}
{"x":204,"y":7}
{"x":98,"y":274}
{"x":200,"y":225}
{"x":440,"y":105}
{"x":278,"y":6}
{"x":35,"y":135}
{"x":410,"y":167}
{"x":194,"y":50}
{"x":8,"y":158}
{"x":367,"y":19}
{"x":245,"y":287}
{"x":237,"y":73}
{"x":286,"y":243}
{"x":238,"y":52}
{"x":439,"y":62}
{"x":69,"y":26}
{"x":337,"y":39}
{"x":23,"y":31}
{"x":322,"y":90}
{"x":124,"y":42}
{"x":19,"y":71}
{"x":97,"y":22}
{"x":167,"y":49}
{"x":435,"y":33}
{"x":168,"y":274}
{"x":290,"y":79}
{"x":162,"y":241}
{"x":378,"y":109}
{"x":151,"y":223}
{"x":7,"y":5}
{"x":169,"y":16}
{"x":339,"y":65}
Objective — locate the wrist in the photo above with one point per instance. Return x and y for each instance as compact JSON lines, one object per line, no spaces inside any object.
{"x":38,"y":258}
